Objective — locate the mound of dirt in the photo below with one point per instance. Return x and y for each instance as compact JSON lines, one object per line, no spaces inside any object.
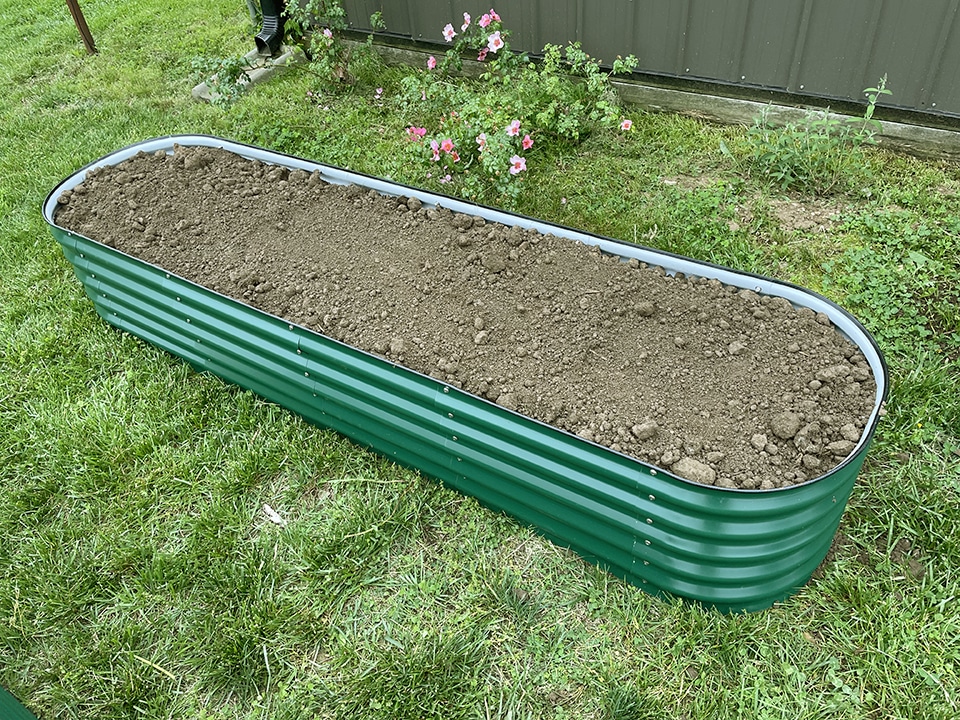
{"x":720,"y":385}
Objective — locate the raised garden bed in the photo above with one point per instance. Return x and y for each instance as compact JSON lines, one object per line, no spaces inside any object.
{"x":574,"y":406}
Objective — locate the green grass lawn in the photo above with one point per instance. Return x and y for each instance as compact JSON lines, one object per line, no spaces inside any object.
{"x":139,"y":577}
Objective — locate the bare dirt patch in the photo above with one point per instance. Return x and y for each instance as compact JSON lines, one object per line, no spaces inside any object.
{"x":722,"y":386}
{"x":817,"y":216}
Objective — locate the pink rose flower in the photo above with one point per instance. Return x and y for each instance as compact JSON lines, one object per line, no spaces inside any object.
{"x":493,"y":15}
{"x":518,"y":164}
{"x":446,"y":145}
{"x":431,"y":62}
{"x":527,"y":142}
{"x":513,"y":129}
{"x":466,"y":21}
{"x":485,"y":20}
{"x":495,"y":42}
{"x":626,"y":125}
{"x":449,"y":32}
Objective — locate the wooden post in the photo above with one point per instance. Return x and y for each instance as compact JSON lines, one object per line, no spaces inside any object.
{"x":81,"y":24}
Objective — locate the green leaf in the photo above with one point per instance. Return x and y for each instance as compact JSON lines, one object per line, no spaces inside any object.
{"x":918,"y":259}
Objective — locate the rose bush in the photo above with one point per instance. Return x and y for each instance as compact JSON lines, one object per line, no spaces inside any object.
{"x":479,"y":135}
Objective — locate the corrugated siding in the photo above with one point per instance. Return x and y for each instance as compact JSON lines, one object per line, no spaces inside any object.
{"x":820,"y":48}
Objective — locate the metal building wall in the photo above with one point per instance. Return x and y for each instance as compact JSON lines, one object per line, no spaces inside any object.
{"x":822,"y":48}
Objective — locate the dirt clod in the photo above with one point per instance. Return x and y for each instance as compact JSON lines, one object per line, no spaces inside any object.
{"x":723,"y":386}
{"x":695,"y":470}
{"x":645,"y":430}
{"x":785,"y":424}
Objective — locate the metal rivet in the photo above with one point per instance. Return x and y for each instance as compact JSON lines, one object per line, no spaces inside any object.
{"x":188,"y":319}
{"x":649,"y":521}
{"x":289,"y":327}
{"x":446,"y":390}
{"x":454,"y":438}
{"x":652,"y":471}
{"x":306,"y":374}
{"x":759,"y":289}
{"x":646,"y":562}
{"x":92,"y":275}
{"x":646,"y":542}
{"x":450,"y":415}
{"x":299,"y":351}
{"x":167,"y":276}
{"x":82,"y":255}
{"x":652,"y":498}
{"x":801,"y":87}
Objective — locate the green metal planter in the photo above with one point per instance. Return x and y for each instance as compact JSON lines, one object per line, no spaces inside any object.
{"x":11,"y":709}
{"x":736,"y":550}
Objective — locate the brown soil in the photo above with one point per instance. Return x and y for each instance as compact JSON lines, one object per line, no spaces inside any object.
{"x":720,"y":385}
{"x":808,"y":215}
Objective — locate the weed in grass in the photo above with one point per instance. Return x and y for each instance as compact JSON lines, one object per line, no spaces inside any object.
{"x":817,"y":155}
{"x":821,"y":154}
{"x":904,"y":282}
{"x":227,"y":77}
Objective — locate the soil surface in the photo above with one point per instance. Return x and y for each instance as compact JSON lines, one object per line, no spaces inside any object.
{"x":722,"y":386}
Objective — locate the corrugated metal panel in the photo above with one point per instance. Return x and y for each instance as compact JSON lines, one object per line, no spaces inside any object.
{"x":821,"y":55}
{"x":736,"y":550}
{"x":395,"y":15}
{"x":769,"y":43}
{"x":942,"y":83}
{"x":910,"y":46}
{"x":811,"y":47}
{"x":848,"y":46}
{"x":715,"y":40}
